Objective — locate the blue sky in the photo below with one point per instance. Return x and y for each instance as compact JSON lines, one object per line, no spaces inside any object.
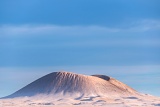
{"x":37,"y":35}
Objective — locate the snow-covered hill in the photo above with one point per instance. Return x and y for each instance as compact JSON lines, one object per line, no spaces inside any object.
{"x":75,"y":89}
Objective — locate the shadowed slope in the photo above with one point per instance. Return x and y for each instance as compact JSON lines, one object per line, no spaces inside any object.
{"x":70,"y":83}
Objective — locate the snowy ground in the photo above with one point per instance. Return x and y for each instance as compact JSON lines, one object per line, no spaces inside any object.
{"x":147,"y":101}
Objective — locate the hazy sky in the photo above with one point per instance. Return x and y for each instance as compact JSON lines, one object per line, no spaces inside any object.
{"x":120,"y":36}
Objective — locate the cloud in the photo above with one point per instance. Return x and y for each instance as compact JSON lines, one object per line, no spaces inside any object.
{"x":144,"y":25}
{"x":80,"y":36}
{"x":56,"y":30}
{"x":10,"y":30}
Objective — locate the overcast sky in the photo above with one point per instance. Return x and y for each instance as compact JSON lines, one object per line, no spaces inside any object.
{"x":37,"y":35}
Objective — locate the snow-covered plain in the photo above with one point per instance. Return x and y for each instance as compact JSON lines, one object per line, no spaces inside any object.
{"x":69,"y":89}
{"x":37,"y":101}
